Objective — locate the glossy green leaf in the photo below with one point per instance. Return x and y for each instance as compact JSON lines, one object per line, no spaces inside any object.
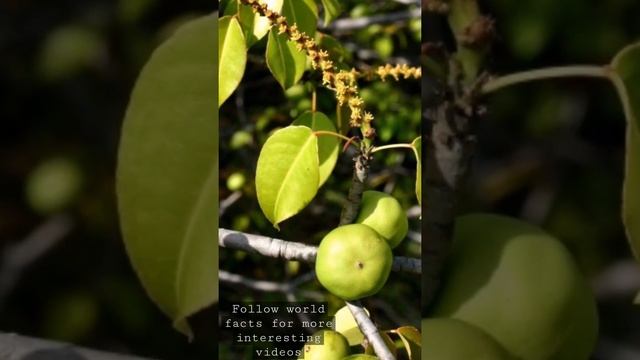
{"x":287,"y":173}
{"x":254,"y":26}
{"x":232,"y":53}
{"x":412,"y":340}
{"x":284,"y":60}
{"x":167,"y":176}
{"x":328,"y":146}
{"x":303,"y":13}
{"x":626,"y":77}
{"x":417,"y":149}
{"x":332,"y":9}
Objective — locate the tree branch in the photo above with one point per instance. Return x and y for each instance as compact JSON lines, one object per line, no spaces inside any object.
{"x":14,"y":347}
{"x":290,"y":250}
{"x":359,"y":23}
{"x":369,"y":330}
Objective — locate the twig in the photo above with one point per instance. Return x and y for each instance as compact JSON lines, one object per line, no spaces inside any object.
{"x":369,"y":330}
{"x":359,"y":23}
{"x":271,"y":286}
{"x":15,"y":347}
{"x":228,"y":201}
{"x":360,"y":174}
{"x":290,"y":250}
{"x":18,"y":257}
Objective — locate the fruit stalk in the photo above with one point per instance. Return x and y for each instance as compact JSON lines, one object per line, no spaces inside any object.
{"x":360,"y":174}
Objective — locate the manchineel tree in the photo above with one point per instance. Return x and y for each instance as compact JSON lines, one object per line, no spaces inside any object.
{"x":168,"y":173}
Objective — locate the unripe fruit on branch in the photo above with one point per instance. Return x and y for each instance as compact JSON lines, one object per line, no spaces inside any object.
{"x":521,"y":286}
{"x":384,"y":214}
{"x":353,"y":261}
{"x":334,"y":347}
{"x":451,"y":339}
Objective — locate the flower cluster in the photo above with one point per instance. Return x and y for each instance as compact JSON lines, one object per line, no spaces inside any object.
{"x":398,"y":70}
{"x":344,"y":83}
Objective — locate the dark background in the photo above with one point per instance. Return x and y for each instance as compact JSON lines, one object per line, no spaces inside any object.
{"x":552,"y":152}
{"x":66,"y":70}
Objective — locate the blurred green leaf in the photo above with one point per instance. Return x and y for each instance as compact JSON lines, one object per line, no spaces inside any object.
{"x":417,"y":148}
{"x":53,"y":185}
{"x":232,"y":56}
{"x":287,"y":173}
{"x":71,"y":317}
{"x":68,"y":50}
{"x":328,"y":146}
{"x":626,"y":77}
{"x":332,"y":9}
{"x":167,"y":176}
{"x":303,"y":13}
{"x":285,"y":62}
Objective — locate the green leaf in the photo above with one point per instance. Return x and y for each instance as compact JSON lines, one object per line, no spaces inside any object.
{"x":254,"y":26}
{"x":636,"y":301}
{"x":328,"y":146}
{"x":412,"y":341}
{"x":417,"y":149}
{"x":626,"y":77}
{"x":332,"y":9}
{"x":285,"y":62}
{"x":232,"y":56}
{"x":287,"y":174}
{"x":303,"y":13}
{"x":167,"y":176}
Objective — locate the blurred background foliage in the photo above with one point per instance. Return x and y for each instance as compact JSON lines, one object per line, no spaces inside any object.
{"x":260,"y":105}
{"x":66,"y":71}
{"x":552,"y":152}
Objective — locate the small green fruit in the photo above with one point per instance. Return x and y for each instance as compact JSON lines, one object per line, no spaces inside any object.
{"x":384,"y":214}
{"x":450,"y":339}
{"x":353,"y":261}
{"x":521,"y":286}
{"x":346,"y":325}
{"x":334,"y":347}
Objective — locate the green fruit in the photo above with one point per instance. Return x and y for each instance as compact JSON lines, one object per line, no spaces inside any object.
{"x":520,"y":285}
{"x":450,"y":339}
{"x":236,"y":181}
{"x":334,"y":347}
{"x":346,"y":325}
{"x":384,"y":214}
{"x":353,"y":261}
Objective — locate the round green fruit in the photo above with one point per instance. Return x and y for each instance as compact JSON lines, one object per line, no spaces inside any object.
{"x":450,"y":339}
{"x":334,"y":347}
{"x":521,"y":286}
{"x":353,"y":261}
{"x":384,"y":214}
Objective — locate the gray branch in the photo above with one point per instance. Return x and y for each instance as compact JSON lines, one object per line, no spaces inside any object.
{"x":349,"y":24}
{"x":370,"y":330}
{"x":17,"y":347}
{"x":289,"y":250}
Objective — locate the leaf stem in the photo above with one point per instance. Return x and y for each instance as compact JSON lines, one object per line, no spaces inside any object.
{"x":391,"y":146}
{"x":331,"y":133}
{"x":498,"y":83}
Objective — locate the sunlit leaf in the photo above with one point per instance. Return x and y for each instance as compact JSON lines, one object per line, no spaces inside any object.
{"x":254,"y":26}
{"x":232,"y":54}
{"x":167,"y":176}
{"x":287,"y":173}
{"x":284,"y":60}
{"x":332,"y":9}
{"x":417,"y":149}
{"x":303,"y":13}
{"x":412,"y":341}
{"x":328,"y":146}
{"x":346,"y":324}
{"x":626,"y":77}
